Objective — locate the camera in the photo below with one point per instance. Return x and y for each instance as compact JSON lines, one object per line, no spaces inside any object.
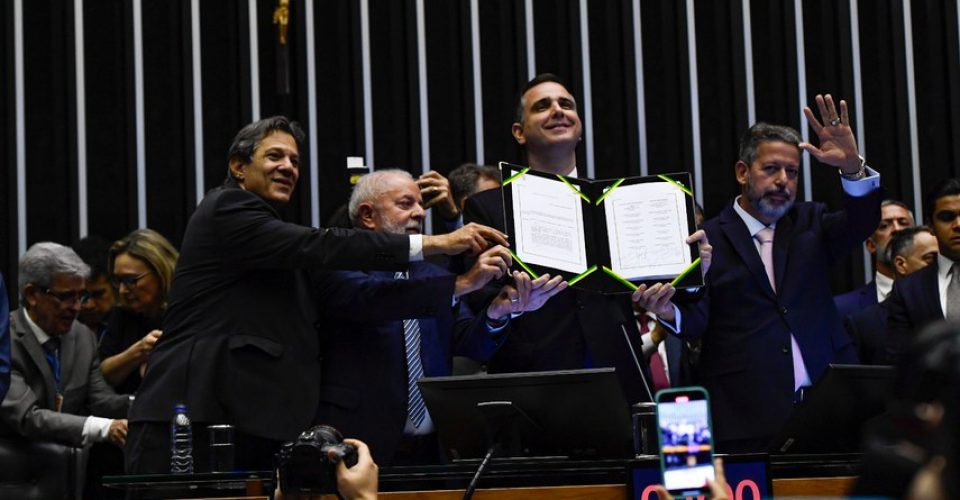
{"x":306,"y":465}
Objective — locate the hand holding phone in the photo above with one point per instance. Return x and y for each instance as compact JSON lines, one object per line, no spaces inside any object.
{"x":686,"y":441}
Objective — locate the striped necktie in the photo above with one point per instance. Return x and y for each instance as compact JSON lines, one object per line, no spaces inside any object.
{"x":416,"y":408}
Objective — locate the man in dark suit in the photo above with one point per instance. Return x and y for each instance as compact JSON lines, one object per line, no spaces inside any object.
{"x":239,"y":344}
{"x":767,"y":321}
{"x":894,"y":216}
{"x":932,"y":293}
{"x":910,"y":249}
{"x":577,"y":328}
{"x":371,"y":320}
{"x":57,"y":392}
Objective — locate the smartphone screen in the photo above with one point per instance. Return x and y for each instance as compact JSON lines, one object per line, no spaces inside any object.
{"x":686,"y":440}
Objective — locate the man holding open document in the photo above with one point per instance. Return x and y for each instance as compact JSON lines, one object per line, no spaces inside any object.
{"x":767,"y":319}
{"x":577,"y":328}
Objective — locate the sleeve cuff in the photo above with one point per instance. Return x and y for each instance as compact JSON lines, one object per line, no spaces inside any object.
{"x":862,"y":187}
{"x":416,"y":247}
{"x":675,"y":326}
{"x":95,"y":429}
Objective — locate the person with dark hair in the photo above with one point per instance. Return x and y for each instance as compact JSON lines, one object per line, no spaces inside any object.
{"x":470,"y":178}
{"x":102,"y":297}
{"x":141,"y":269}
{"x":894,"y":216}
{"x":239,"y":343}
{"x":932,"y":293}
{"x":576,"y":328}
{"x":385,"y":330}
{"x":909,"y":250}
{"x":767,"y":320}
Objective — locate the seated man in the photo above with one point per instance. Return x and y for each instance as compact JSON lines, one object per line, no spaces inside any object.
{"x":933,"y":293}
{"x":909,"y":250}
{"x":57,"y":392}
{"x":382,"y":332}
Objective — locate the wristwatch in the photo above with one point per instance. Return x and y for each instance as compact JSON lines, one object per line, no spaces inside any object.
{"x":859,"y":174}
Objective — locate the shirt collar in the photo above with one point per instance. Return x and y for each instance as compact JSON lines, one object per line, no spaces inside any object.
{"x":943,"y":266}
{"x":884,"y":285}
{"x":38,"y":332}
{"x":753,"y":225}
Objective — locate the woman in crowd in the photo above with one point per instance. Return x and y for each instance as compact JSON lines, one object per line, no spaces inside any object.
{"x":141,"y":268}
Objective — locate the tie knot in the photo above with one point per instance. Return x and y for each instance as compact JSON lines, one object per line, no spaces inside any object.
{"x":52,"y":345}
{"x":765,"y":235}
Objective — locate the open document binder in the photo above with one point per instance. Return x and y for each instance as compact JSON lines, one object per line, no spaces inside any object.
{"x":602,"y":235}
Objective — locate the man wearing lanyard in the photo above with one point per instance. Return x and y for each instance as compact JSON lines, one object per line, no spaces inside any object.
{"x":57,"y":392}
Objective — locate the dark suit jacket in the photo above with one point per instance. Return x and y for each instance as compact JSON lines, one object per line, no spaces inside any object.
{"x":28,"y":409}
{"x":913,"y":304}
{"x":867,"y":329}
{"x":856,"y":300}
{"x":364,"y":368}
{"x":239,"y":345}
{"x":746,"y":361}
{"x":574,"y":329}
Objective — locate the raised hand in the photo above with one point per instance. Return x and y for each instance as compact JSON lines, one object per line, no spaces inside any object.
{"x":838,"y":147}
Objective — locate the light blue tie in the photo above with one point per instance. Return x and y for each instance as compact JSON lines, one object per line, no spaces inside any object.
{"x":416,"y":408}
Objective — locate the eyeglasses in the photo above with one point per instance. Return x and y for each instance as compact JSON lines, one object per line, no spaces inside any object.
{"x":68,"y":298}
{"x":130,"y":281}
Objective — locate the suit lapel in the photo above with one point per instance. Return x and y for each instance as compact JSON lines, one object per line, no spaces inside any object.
{"x":781,"y":245}
{"x":29,"y":341}
{"x":741,"y":241}
{"x":930,"y":289}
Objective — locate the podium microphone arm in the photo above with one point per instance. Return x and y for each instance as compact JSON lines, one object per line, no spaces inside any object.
{"x":636,"y":362}
{"x":467,"y":495}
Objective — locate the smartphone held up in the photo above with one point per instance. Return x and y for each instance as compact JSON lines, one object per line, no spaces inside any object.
{"x":686,"y":440}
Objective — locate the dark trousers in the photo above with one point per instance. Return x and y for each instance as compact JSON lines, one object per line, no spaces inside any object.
{"x":148,"y":449}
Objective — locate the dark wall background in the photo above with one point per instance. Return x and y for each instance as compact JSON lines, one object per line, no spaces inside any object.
{"x":51,"y":147}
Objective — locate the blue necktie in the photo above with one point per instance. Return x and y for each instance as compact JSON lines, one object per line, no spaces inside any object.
{"x":52,"y":350}
{"x":416,"y":408}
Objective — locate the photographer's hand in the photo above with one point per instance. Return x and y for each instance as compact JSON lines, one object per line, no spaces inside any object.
{"x":360,"y":481}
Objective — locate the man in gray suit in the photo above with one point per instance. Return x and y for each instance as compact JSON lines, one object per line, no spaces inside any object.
{"x":57,"y":392}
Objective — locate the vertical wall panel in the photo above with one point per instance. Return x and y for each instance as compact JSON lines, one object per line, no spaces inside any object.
{"x":614,"y":94}
{"x":723,"y":98}
{"x":668,"y":102}
{"x":110,"y":124}
{"x":167,"y":117}
{"x":503,"y":58}
{"x":49,"y":107}
{"x":396,"y":124}
{"x":449,"y":63}
{"x":339,"y":86}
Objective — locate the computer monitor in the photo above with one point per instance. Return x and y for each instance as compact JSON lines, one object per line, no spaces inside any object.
{"x":575,"y":413}
{"x":832,"y":413}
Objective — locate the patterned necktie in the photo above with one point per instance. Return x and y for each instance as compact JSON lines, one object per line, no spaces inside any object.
{"x":953,"y":293}
{"x":765,"y":237}
{"x":52,"y":350}
{"x":416,"y":408}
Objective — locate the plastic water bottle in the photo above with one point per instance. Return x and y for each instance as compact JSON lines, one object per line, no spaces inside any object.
{"x":181,"y":442}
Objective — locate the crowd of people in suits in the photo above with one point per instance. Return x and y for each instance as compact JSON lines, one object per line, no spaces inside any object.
{"x":271,"y":326}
